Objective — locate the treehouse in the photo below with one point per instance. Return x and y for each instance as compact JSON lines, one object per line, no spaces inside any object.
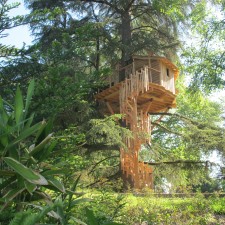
{"x":145,"y":86}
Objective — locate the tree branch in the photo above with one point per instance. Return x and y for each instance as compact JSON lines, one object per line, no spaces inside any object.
{"x":200,"y":125}
{"x":167,"y":129}
{"x":104,"y":2}
{"x":92,"y":148}
{"x":129,"y":5}
{"x":92,"y":170}
{"x":177,"y":115}
{"x":117,"y":174}
{"x":179,"y":161}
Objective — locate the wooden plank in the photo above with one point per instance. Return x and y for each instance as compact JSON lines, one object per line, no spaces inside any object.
{"x":162,"y":98}
{"x":110,"y":108}
{"x":111,"y":95}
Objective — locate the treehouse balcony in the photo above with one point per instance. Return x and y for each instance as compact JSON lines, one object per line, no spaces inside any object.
{"x":150,"y":78}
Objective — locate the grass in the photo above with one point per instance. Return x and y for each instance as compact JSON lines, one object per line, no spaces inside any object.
{"x":130,"y":209}
{"x":181,"y":211}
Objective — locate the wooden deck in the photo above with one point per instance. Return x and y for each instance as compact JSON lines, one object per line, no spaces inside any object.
{"x":159,"y":97}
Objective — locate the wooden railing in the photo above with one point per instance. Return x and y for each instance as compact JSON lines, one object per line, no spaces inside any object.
{"x":145,"y":75}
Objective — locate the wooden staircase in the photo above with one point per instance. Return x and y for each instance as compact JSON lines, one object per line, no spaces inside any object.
{"x":149,"y":87}
{"x":138,"y":174}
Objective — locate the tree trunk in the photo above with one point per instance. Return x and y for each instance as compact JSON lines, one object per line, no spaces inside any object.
{"x":125,"y":32}
{"x":97,"y":60}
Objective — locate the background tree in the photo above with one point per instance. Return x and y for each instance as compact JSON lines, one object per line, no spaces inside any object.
{"x":77,"y":46}
{"x":205,"y":61}
{"x":8,"y":23}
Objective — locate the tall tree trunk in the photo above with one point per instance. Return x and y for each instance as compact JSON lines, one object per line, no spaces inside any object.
{"x":125,"y":32}
{"x":97,"y":60}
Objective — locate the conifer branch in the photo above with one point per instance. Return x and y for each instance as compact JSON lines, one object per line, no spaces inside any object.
{"x":207,"y":163}
{"x":166,"y":129}
{"x":93,"y":168}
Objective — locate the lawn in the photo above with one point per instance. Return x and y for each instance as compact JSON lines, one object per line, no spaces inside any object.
{"x":181,"y":211}
{"x":131,"y":209}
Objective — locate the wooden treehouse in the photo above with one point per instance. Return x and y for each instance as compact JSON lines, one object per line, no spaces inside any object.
{"x":145,"y":86}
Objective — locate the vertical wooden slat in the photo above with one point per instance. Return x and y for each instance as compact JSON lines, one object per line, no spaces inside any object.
{"x":138,"y":121}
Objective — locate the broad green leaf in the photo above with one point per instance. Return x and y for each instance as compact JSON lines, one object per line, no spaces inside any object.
{"x":56,"y":183}
{"x":91,"y":218}
{"x":26,"y":133}
{"x":3,"y":115}
{"x":45,"y":131}
{"x":12,"y":152}
{"x":51,"y":213}
{"x":10,"y":195}
{"x":9,"y":128}
{"x":79,"y":222}
{"x":1,"y":104}
{"x":25,"y":172}
{"x":30,"y":187}
{"x":73,"y":189}
{"x":30,"y":93}
{"x":60,"y":211}
{"x":41,"y":134}
{"x":43,"y":155}
{"x":54,"y":172}
{"x":49,"y":126}
{"x":4,"y":140}
{"x":18,"y":106}
{"x":4,"y":129}
{"x":41,"y":145}
{"x":29,"y":121}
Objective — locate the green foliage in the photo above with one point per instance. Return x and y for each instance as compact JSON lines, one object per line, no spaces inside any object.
{"x":65,"y":211}
{"x":204,"y":62}
{"x":91,"y":219}
{"x":183,"y":211}
{"x":217,"y":205}
{"x":189,"y":133}
{"x":71,"y":56}
{"x":196,"y":105}
{"x":105,"y":208}
{"x":6,"y":24}
{"x":59,"y":211}
{"x":24,"y":146}
{"x":7,"y":51}
{"x":107,"y":131}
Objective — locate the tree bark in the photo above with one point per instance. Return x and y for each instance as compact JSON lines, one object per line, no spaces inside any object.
{"x":126,"y":37}
{"x":97,"y":61}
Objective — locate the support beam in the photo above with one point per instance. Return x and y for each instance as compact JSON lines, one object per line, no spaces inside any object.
{"x":110,"y":108}
{"x":112,"y":95}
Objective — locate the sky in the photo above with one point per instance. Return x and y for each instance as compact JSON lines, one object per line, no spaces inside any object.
{"x":19,"y":35}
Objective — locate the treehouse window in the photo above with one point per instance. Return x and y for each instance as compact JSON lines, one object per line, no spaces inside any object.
{"x":167,"y":72}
